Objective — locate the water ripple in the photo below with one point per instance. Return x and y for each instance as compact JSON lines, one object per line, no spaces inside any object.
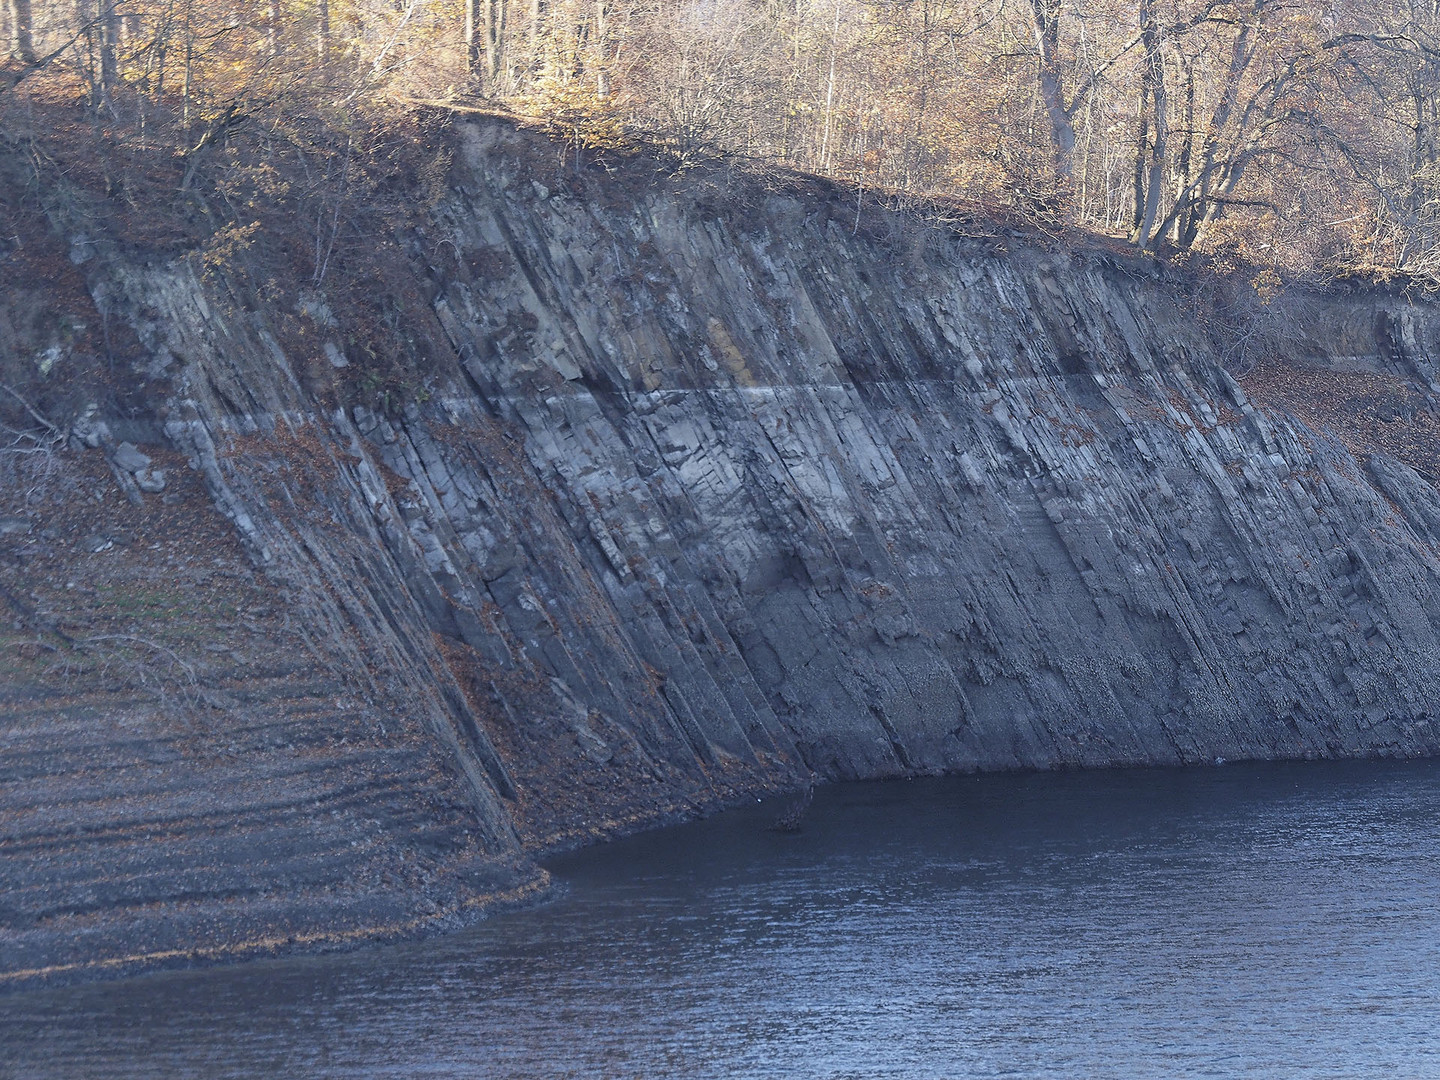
{"x":1253,"y":920}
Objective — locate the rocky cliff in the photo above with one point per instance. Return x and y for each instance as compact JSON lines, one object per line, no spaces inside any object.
{"x":701,"y":486}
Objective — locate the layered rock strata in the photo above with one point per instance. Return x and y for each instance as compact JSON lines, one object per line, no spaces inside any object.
{"x":701,"y":489}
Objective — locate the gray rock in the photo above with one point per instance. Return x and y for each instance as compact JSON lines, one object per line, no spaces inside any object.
{"x":90,"y":430}
{"x":129,"y":457}
{"x":82,"y":249}
{"x":150,"y":481}
{"x":850,"y":511}
{"x":592,"y":746}
{"x":96,"y":543}
{"x":15,"y":526}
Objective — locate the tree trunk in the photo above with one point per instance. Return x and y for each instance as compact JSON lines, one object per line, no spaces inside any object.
{"x":472,"y":37}
{"x":161,"y":54}
{"x":1142,"y":141}
{"x":537,"y":16}
{"x":188,"y":88}
{"x":494,"y":38}
{"x":1152,"y":74}
{"x":22,"y":42}
{"x":109,"y":34}
{"x":602,"y":31}
{"x":1047,"y":38}
{"x":322,"y":34}
{"x":1180,"y":171}
{"x":830,"y":92}
{"x":1200,"y":177}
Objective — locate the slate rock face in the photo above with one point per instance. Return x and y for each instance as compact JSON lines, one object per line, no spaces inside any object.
{"x":705,"y":496}
{"x":758,"y":493}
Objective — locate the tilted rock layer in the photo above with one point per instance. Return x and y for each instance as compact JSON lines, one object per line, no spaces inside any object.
{"x":703,"y":497}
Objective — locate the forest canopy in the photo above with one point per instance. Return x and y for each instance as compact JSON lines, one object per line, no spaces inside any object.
{"x":1294,"y":134}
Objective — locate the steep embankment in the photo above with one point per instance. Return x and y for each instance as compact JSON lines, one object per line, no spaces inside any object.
{"x":698,"y":490}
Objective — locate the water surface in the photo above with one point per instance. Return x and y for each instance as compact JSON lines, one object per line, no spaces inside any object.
{"x":1252,"y":920}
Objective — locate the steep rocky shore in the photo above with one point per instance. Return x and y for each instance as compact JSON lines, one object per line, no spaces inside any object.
{"x":698,"y":490}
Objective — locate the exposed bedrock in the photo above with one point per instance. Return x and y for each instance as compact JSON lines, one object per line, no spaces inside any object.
{"x":768,"y":490}
{"x":698,"y":499}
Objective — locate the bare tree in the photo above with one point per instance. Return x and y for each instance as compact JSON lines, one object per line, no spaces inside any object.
{"x":22,"y":42}
{"x":1047,"y":43}
{"x":1153,"y":145}
{"x":322,"y":34}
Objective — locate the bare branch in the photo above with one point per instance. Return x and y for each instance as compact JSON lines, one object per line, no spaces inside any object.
{"x":35,"y":414}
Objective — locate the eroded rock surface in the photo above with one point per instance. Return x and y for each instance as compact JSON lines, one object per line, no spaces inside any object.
{"x":698,"y":499}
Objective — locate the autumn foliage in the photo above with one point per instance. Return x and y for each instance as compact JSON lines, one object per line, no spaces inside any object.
{"x":1293,"y":135}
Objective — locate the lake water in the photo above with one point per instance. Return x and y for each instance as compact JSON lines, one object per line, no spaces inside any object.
{"x":1251,"y":920}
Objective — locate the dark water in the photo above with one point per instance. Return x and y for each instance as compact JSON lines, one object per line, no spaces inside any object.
{"x":1244,"y":921}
